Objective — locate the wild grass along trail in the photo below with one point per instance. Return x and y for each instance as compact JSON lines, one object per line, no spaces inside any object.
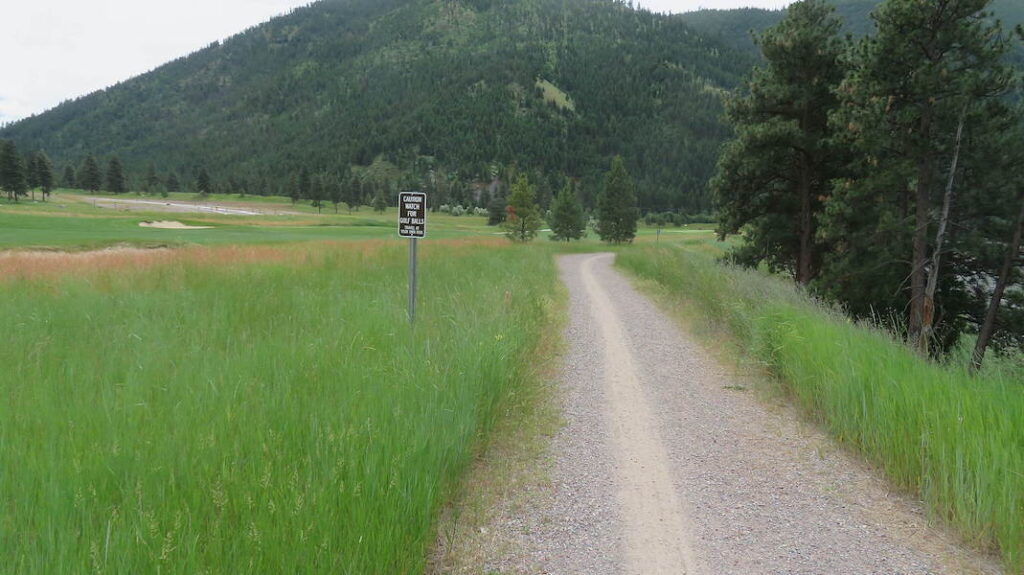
{"x":669,"y":465}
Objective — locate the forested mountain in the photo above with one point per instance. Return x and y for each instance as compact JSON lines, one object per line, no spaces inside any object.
{"x":457,"y":91}
{"x":734,"y":26}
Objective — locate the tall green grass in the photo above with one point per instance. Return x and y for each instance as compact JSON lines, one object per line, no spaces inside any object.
{"x":275,"y":417}
{"x":955,"y":440}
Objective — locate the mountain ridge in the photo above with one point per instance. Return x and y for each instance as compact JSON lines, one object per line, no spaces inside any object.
{"x":452,"y":86}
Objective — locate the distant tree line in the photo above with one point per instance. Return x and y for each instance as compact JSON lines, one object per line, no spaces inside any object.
{"x":884,"y":173}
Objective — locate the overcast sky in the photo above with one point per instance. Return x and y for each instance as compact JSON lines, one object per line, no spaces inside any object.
{"x":54,"y":50}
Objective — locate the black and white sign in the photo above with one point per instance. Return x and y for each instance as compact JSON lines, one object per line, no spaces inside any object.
{"x":412,"y":215}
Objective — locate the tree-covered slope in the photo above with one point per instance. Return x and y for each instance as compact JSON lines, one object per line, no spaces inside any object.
{"x":465,"y":88}
{"x":734,"y":26}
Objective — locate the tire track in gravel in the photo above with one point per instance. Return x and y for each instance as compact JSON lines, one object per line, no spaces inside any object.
{"x":656,"y":538}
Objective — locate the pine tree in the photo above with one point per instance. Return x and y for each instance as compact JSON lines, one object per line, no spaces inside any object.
{"x":773,"y":178}
{"x":173,"y":183}
{"x":617,"y":212}
{"x":380,"y":204}
{"x":12,"y":171}
{"x":568,"y":222}
{"x":925,"y":75}
{"x":44,"y":174}
{"x":295,"y":189}
{"x":496,"y":210}
{"x":115,"y":177}
{"x":318,"y":192}
{"x":305,"y":184}
{"x":89,"y":177}
{"x":336,"y":190}
{"x":353,"y":193}
{"x":32,"y":174}
{"x":523,"y":215}
{"x":68,"y":180}
{"x":152,"y":185}
{"x":204,"y":185}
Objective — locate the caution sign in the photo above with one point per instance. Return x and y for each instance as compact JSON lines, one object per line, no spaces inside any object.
{"x":412,"y":215}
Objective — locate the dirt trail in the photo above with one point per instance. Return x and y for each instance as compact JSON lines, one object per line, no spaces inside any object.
{"x":669,"y":465}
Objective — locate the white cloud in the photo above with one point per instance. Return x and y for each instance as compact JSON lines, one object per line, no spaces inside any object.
{"x":54,"y":50}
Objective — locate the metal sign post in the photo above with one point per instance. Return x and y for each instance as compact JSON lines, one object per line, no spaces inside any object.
{"x":412,"y":224}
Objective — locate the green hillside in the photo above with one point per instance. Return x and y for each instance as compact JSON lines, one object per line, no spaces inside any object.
{"x":463,"y":88}
{"x":734,"y":26}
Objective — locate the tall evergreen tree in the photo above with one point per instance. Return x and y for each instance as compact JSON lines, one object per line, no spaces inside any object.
{"x":32,"y":174}
{"x":115,"y":177}
{"x":568,"y":222}
{"x":44,"y":173}
{"x":496,"y":209}
{"x":380,"y":204}
{"x":204,"y":184}
{"x":915,"y":84}
{"x":617,"y":212}
{"x":335,"y":190}
{"x":305,"y":184}
{"x":173,"y":183}
{"x":523,"y":214}
{"x":152,"y":185}
{"x":68,"y":180}
{"x":318,"y":192}
{"x":353,"y":194}
{"x":89,"y":177}
{"x":773,"y":178}
{"x":12,"y":171}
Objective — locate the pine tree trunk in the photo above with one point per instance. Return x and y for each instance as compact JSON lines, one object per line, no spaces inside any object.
{"x":989,"y":325}
{"x":928,"y":323}
{"x":919,"y":260}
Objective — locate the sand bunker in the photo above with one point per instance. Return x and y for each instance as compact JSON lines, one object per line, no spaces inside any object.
{"x":171,"y":225}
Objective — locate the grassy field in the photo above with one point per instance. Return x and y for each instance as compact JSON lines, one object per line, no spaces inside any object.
{"x":956,"y":440}
{"x":68,"y":221}
{"x":253,"y":409}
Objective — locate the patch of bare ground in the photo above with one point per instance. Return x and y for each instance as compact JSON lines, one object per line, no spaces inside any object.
{"x":171,"y":225}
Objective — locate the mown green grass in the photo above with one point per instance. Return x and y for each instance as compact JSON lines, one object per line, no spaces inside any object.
{"x":957,"y":441}
{"x":68,"y":222}
{"x":207,"y":416}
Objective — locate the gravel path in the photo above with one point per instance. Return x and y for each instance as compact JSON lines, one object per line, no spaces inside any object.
{"x":667,"y":465}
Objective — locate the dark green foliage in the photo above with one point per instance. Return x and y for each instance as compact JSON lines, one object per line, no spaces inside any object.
{"x":204,"y":184}
{"x":617,"y":213}
{"x":305,"y":184}
{"x":44,"y":178}
{"x":173,"y":183}
{"x":68,"y":179}
{"x":152,"y":181}
{"x":930,"y":67}
{"x":348,"y":82}
{"x":523,"y":215}
{"x":496,"y":213}
{"x":352,"y":194}
{"x":12,"y":171}
{"x":734,"y":26}
{"x":380,"y":204}
{"x":335,"y":190}
{"x":568,"y":222}
{"x":774,"y":177}
{"x":31,"y":173}
{"x":318,"y":192}
{"x":115,"y":182}
{"x":89,"y":177}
